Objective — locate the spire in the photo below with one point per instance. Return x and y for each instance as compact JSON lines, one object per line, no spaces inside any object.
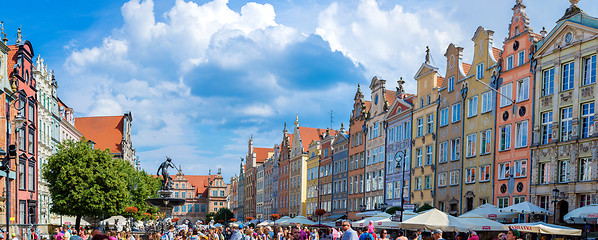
{"x":285,"y":128}
{"x":427,"y":55}
{"x":297,"y":121}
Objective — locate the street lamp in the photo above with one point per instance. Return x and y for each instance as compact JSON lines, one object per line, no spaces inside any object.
{"x":555,"y":196}
{"x":400,"y":158}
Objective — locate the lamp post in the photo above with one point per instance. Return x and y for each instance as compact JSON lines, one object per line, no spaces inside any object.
{"x":555,"y":196}
{"x":400,"y":158}
{"x":19,"y":121}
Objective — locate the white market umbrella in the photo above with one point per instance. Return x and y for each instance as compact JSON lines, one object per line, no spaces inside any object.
{"x":387,"y":223}
{"x":492,"y":212}
{"x":435,"y":219}
{"x":283,"y":221}
{"x":479,"y":223}
{"x":544,"y":228}
{"x":68,"y":220}
{"x":218,"y":225}
{"x":110,"y":221}
{"x":525,"y":208}
{"x":584,"y":215}
{"x":376,"y":217}
{"x":264,"y":223}
{"x":330,"y":224}
{"x":301,"y":220}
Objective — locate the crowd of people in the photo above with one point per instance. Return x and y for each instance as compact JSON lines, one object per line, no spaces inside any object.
{"x":345,"y":232}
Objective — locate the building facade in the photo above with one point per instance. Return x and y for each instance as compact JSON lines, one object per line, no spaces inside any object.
{"x":515,"y":111}
{"x":357,"y":154}
{"x":283,"y":169}
{"x":313,"y":166}
{"x":565,"y":141}
{"x":203,"y":194}
{"x":398,"y":148}
{"x":110,"y":132}
{"x":374,"y":145}
{"x":340,"y":167}
{"x":259,"y":191}
{"x":325,"y":185}
{"x":423,"y":143}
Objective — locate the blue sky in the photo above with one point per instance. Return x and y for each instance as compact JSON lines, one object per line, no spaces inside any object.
{"x":201,"y":76}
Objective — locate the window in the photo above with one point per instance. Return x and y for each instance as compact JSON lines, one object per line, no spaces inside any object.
{"x":503,"y":202}
{"x":442,"y":179}
{"x":430,"y":124}
{"x":222,"y":193}
{"x":567,"y":78}
{"x":587,"y":119}
{"x":31,"y":141}
{"x":420,"y":127}
{"x":520,"y":168}
{"x":397,"y":189}
{"x":473,"y":107}
{"x":429,"y":155}
{"x":521,"y":132}
{"x":22,"y":212}
{"x":443,"y":152}
{"x":31,"y":112}
{"x":546,"y":127}
{"x":564,"y":171}
{"x":589,"y":71}
{"x":454,"y":177}
{"x":444,"y":117}
{"x":584,"y":169}
{"x":428,"y":99}
{"x":585,"y":199}
{"x":31,"y":176}
{"x":548,"y":82}
{"x":451,"y":84}
{"x":543,"y":202}
{"x":506,"y":95}
{"x":485,"y":173}
{"x":389,"y":190}
{"x":22,"y":139}
{"x":428,"y":181}
{"x":470,"y":145}
{"x":544,"y":173}
{"x":521,"y":57}
{"x":325,"y":152}
{"x":485,"y":141}
{"x":523,"y":89}
{"x":22,"y":175}
{"x":418,"y":183}
{"x":419,"y":154}
{"x":509,"y":62}
{"x":505,"y":137}
{"x":456,"y":112}
{"x":480,"y":71}
{"x":487,"y":104}
{"x":470,"y":175}
{"x":566,"y":120}
{"x":376,"y":130}
{"x":504,"y":170}
{"x":380,"y":180}
{"x":455,"y":149}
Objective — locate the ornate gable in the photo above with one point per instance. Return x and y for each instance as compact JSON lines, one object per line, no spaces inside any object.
{"x":519,"y":21}
{"x":565,"y":35}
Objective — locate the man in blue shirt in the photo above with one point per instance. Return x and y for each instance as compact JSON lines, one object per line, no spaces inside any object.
{"x":349,"y":234}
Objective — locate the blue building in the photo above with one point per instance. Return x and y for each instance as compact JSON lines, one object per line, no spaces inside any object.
{"x":340,"y":173}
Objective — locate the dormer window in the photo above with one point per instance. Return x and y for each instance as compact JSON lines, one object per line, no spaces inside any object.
{"x":376,"y":99}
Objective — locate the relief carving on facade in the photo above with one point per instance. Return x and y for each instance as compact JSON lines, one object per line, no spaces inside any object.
{"x":565,"y":97}
{"x":585,"y":147}
{"x":564,"y":151}
{"x":587,"y":92}
{"x":547,"y":102}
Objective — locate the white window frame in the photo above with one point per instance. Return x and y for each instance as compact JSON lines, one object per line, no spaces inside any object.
{"x":546,"y":127}
{"x":444,"y":116}
{"x":520,"y":168}
{"x":564,"y":167}
{"x":485,"y":142}
{"x":505,"y":137}
{"x":509,"y":62}
{"x":472,"y":108}
{"x":451,"y":84}
{"x":456,"y":113}
{"x":521,"y":58}
{"x":487,"y":102}
{"x":480,"y":71}
{"x":587,"y":119}
{"x":420,"y":127}
{"x":566,"y":123}
{"x":585,"y":169}
{"x":506,"y":95}
{"x":470,"y":175}
{"x":442,"y":179}
{"x":504,"y":170}
{"x":454,"y":178}
{"x":419,"y":157}
{"x":471,"y":145}
{"x":589,"y":70}
{"x":521,"y":134}
{"x":429,"y":155}
{"x":430,"y":123}
{"x":544,"y":173}
{"x":548,"y":82}
{"x":455,"y":149}
{"x":443,"y":152}
{"x":568,"y":76}
{"x":485,"y":173}
{"x":523,"y":89}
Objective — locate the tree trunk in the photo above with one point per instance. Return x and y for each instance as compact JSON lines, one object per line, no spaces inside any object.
{"x":78,"y":223}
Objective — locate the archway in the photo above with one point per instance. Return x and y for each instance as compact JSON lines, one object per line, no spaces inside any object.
{"x":563,"y":209}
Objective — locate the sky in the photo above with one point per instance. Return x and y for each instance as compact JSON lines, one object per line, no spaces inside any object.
{"x":201,"y":77}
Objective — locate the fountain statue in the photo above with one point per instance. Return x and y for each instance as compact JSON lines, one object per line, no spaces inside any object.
{"x":165,"y":202}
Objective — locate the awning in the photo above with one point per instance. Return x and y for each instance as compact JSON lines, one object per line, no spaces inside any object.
{"x":367,"y":214}
{"x":334,"y":217}
{"x":544,"y":228}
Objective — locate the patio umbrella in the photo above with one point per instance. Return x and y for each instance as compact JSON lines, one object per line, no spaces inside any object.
{"x":584,"y":215}
{"x":492,"y":212}
{"x":364,"y":222}
{"x":283,"y":221}
{"x":387,"y":223}
{"x":301,"y":220}
{"x":525,"y":208}
{"x":264,"y":223}
{"x":435,"y":219}
{"x":544,"y":228}
{"x":479,"y":223}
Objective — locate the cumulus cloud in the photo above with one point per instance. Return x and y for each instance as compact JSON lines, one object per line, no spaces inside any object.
{"x":388,"y":42}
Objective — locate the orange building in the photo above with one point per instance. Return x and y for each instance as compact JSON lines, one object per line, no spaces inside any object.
{"x":203,"y":194}
{"x":357,"y":139}
{"x":515,"y":111}
{"x":109,"y":132}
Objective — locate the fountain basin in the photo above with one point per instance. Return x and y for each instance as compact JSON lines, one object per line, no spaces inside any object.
{"x":165,"y":202}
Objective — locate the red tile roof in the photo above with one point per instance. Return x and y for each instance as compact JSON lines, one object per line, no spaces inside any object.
{"x":439,"y":81}
{"x":312,"y":134}
{"x":261,"y":154}
{"x":496,"y":53}
{"x":106,"y":132}
{"x":390,"y":96}
{"x":466,"y":68}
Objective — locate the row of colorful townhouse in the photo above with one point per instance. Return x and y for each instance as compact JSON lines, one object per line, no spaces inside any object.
{"x":36,"y":121}
{"x":516,"y":124}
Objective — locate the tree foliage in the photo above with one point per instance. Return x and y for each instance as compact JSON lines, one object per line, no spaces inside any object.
{"x":424,"y":208}
{"x":223,"y":214}
{"x":393,"y":210}
{"x":141,"y":186}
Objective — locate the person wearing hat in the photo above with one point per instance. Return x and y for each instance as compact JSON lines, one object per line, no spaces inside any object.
{"x":437,"y":234}
{"x":473,"y":235}
{"x":513,"y":234}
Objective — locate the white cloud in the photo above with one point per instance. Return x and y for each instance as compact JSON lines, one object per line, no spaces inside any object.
{"x":387,"y":42}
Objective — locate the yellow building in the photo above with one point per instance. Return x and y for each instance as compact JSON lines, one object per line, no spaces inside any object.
{"x":565,"y":137}
{"x":479,"y":123}
{"x":313,"y":164}
{"x":424,"y":133}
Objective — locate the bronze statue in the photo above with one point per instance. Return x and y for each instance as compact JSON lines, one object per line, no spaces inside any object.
{"x":166,"y":179}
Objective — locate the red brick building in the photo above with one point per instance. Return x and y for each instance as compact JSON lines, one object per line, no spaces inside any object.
{"x":203,"y":194}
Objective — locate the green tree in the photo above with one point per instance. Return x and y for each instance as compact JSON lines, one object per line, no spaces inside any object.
{"x":141,"y":186}
{"x":86,"y":182}
{"x":223,"y":214}
{"x":424,"y":208}
{"x":209,"y":217}
{"x":393,"y":210}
